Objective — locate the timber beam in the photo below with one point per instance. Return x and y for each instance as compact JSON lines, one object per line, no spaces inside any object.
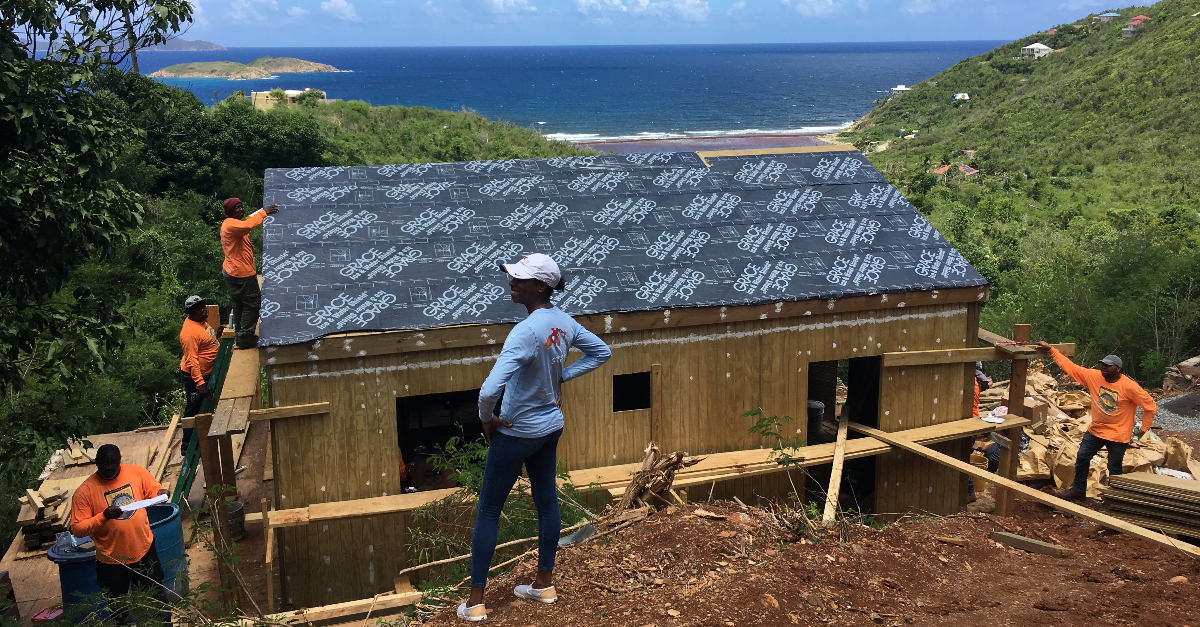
{"x":962,"y":356}
{"x":1080,"y":511}
{"x":289,"y":411}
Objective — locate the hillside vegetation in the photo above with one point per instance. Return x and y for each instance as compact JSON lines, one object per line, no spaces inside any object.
{"x":181,"y":159}
{"x":1084,"y":213}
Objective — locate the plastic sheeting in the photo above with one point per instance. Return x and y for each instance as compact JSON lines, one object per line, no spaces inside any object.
{"x":416,"y":246}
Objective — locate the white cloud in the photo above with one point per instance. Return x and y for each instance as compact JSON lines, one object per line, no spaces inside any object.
{"x":917,"y":7}
{"x":340,"y":9}
{"x":251,"y":10}
{"x":686,"y":10}
{"x":297,"y":11}
{"x":508,"y":7}
{"x":814,"y":8}
{"x":599,"y":6}
{"x":737,"y":8}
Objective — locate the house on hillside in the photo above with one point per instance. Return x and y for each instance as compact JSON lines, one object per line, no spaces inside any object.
{"x":1104,"y":17}
{"x":1135,"y":25}
{"x":1035,"y":51}
{"x":961,"y":96}
{"x":900,"y":89}
{"x":722,"y":281}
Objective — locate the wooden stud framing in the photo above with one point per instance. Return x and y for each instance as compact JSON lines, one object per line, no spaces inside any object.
{"x":1010,"y":457}
{"x":1077,"y":510}
{"x":656,"y":404}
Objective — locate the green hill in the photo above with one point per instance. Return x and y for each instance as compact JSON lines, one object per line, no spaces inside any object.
{"x":1084,"y":213}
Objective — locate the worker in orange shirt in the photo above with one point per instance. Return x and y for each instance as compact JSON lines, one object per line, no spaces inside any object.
{"x":199,"y":343}
{"x":239,"y":269}
{"x":1115,"y":399}
{"x":125,"y":550}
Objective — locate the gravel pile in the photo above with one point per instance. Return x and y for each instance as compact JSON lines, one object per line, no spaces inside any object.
{"x":1181,"y":413}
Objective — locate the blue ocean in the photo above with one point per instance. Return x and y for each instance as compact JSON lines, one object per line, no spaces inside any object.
{"x":589,"y":93}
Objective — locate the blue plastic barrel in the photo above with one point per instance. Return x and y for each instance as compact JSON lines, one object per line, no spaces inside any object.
{"x":76,"y":573}
{"x":167,"y":526}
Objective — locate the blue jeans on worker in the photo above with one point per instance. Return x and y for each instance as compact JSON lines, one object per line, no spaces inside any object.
{"x":194,"y":401}
{"x":1088,"y":449}
{"x":505,"y":457}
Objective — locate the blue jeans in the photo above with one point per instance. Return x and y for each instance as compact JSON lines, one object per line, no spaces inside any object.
{"x":194,"y":401}
{"x":505,"y":457}
{"x":1088,"y":449}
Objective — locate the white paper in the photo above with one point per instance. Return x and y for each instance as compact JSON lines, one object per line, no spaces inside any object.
{"x":992,"y":419}
{"x":143,"y":504}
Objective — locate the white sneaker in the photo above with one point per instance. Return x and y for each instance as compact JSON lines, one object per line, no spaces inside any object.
{"x":474,"y":613}
{"x":544,"y":595}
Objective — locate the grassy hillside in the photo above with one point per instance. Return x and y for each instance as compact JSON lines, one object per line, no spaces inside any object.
{"x":1084,"y":214}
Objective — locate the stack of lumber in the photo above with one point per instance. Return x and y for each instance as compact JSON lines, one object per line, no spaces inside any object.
{"x":45,"y":512}
{"x":1153,"y":501}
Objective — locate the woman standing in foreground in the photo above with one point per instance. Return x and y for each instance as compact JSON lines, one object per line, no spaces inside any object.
{"x":529,"y":372}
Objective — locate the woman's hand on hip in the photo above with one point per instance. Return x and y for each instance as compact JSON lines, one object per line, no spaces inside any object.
{"x":490,"y":427}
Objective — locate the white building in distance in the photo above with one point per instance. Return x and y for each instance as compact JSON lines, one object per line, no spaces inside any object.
{"x":1035,"y":51}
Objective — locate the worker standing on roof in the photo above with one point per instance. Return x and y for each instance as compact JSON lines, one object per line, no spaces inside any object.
{"x":529,"y":372}
{"x":1115,"y":399}
{"x":125,"y":550}
{"x":199,"y":342}
{"x":239,"y":270}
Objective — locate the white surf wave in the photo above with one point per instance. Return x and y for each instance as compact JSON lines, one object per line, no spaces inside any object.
{"x":597,"y":137}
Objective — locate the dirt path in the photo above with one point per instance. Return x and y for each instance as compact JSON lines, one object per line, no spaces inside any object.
{"x":683,"y":570}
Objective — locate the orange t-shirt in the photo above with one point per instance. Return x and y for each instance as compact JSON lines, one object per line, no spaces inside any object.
{"x":120,"y":540}
{"x":199,"y":343}
{"x":235,"y":241}
{"x":1114,"y":405}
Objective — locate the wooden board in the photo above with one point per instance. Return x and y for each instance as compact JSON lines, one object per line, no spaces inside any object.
{"x":165,"y":449}
{"x":338,"y":610}
{"x":1029,"y":544}
{"x":1080,"y":511}
{"x":1165,"y":515}
{"x":1159,"y":485}
{"x":351,"y":509}
{"x":921,"y":358}
{"x":1164,"y":526}
{"x":290,"y":411}
{"x":231,"y":416}
{"x":835,"y":475}
{"x":244,"y":375}
{"x":1111,"y":494}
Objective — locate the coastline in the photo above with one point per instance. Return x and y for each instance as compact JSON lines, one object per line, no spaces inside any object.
{"x":721,"y":142}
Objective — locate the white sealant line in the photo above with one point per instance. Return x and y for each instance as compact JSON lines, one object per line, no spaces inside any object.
{"x":689,"y":339}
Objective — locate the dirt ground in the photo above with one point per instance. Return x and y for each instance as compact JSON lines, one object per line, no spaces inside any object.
{"x":677,"y":569}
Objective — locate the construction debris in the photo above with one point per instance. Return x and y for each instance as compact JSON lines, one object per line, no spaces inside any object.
{"x":654,"y":477}
{"x":1029,"y":544}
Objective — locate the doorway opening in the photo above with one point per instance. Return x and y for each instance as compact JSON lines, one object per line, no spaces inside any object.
{"x":847,"y":387}
{"x":424,"y":424}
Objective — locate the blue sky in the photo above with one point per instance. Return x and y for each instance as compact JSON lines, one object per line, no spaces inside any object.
{"x":566,"y":22}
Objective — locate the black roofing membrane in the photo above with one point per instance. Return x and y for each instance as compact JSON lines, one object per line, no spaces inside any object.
{"x":415,"y":246}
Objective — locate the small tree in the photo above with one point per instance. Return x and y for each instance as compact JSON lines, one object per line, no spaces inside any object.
{"x":310,"y":97}
{"x":279,"y":97}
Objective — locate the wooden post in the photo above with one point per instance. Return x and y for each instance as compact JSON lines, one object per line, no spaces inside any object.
{"x":267,"y":561}
{"x":835,"y":475}
{"x":228,"y":465}
{"x":210,"y":459}
{"x":214,"y":316}
{"x":656,"y":405}
{"x":1010,"y":457}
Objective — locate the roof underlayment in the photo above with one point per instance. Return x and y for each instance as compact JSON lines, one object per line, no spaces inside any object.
{"x":415,"y":246}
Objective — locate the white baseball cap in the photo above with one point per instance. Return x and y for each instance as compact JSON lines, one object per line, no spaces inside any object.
{"x":536,"y":266}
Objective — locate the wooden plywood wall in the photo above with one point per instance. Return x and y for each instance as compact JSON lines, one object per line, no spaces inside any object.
{"x":711,"y":375}
{"x":919,"y":396}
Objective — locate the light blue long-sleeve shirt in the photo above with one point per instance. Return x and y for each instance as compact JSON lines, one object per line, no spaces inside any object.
{"x":529,"y":372}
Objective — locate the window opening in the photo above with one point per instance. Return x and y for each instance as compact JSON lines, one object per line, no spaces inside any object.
{"x":631,"y":391}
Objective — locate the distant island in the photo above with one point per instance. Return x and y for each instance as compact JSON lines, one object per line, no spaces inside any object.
{"x":185,"y":45}
{"x":263,"y":67}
